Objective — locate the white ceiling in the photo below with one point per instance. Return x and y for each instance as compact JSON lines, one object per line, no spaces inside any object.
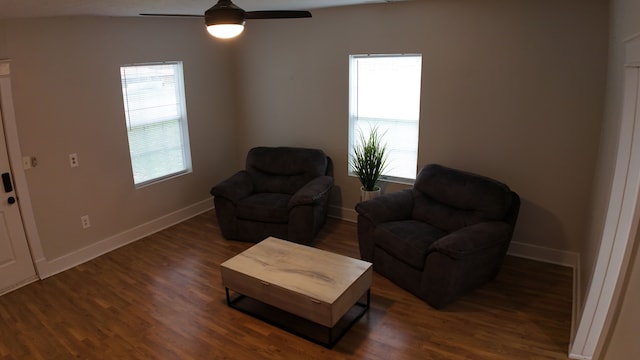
{"x":44,"y":8}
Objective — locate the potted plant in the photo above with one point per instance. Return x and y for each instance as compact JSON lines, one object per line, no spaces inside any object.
{"x":369,"y":160}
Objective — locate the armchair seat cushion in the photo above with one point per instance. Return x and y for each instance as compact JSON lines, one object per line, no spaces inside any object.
{"x":266,"y":207}
{"x":408,"y":240}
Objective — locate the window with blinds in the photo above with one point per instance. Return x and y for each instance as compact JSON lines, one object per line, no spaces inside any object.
{"x":156,"y":121}
{"x":385,"y":94}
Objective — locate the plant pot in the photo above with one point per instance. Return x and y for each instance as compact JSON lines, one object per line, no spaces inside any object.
{"x":369,"y":194}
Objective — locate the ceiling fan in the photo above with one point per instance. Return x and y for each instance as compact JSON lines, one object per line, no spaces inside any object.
{"x":226,"y":20}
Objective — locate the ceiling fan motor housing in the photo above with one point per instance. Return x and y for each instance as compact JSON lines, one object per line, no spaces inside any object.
{"x":224,"y":12}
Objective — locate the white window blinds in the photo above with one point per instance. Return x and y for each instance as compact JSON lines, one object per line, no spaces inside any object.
{"x":156,"y":120}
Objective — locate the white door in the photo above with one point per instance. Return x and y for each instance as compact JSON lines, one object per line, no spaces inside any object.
{"x":16,"y":265}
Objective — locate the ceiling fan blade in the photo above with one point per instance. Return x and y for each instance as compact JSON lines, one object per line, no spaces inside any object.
{"x":275,"y":14}
{"x":173,"y":15}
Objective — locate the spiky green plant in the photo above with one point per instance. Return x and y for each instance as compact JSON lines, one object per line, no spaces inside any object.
{"x":369,"y":159}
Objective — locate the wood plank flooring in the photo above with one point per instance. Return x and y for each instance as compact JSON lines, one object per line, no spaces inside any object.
{"x":162,"y":298}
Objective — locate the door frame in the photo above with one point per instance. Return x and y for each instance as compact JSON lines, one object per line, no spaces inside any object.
{"x":621,"y":222}
{"x":17,"y":170}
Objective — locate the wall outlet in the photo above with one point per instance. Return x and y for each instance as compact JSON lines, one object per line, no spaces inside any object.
{"x":73,"y":160}
{"x":85,"y":221}
{"x":26,"y":162}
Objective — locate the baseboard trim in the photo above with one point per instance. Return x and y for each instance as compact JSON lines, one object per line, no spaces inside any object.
{"x":18,"y":285}
{"x":544,"y":254}
{"x":47,"y":268}
{"x":579,"y":357}
{"x":341,"y":213}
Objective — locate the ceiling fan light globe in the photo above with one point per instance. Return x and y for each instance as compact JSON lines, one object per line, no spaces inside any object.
{"x":225,"y":31}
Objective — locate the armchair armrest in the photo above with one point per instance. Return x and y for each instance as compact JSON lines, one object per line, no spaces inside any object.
{"x":312,"y":192}
{"x":236,"y":187}
{"x":473,"y":239}
{"x":393,"y":206}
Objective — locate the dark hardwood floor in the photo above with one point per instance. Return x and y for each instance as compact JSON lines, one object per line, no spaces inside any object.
{"x":162,"y":298}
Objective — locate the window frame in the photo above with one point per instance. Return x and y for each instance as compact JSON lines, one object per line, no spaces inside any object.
{"x":353,"y":134}
{"x":178,"y":75}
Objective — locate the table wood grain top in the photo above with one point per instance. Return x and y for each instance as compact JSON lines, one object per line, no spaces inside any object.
{"x":311,"y":272}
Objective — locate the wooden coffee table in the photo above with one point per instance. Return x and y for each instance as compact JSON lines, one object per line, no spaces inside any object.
{"x":315,"y":286}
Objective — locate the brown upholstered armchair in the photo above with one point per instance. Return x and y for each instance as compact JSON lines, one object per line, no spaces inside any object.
{"x":283,"y":192}
{"x":444,"y":237}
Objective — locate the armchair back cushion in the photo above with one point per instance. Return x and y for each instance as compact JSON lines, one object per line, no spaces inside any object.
{"x":284,"y":169}
{"x":451,"y":199}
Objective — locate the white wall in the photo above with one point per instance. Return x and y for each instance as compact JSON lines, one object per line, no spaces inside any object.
{"x":510,"y":89}
{"x":68,"y":99}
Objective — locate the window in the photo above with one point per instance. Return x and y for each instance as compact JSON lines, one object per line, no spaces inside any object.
{"x":385,"y":94}
{"x":156,"y":120}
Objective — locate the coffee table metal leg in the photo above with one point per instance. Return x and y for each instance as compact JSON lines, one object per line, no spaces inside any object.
{"x":332,"y":336}
{"x":330,"y":343}
{"x":368,"y":298}
{"x":365,"y":307}
{"x":232,"y":301}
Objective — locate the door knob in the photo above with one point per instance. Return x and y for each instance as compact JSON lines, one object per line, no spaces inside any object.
{"x":11,"y":200}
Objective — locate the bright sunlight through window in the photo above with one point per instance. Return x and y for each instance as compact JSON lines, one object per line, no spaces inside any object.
{"x":385,"y":94}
